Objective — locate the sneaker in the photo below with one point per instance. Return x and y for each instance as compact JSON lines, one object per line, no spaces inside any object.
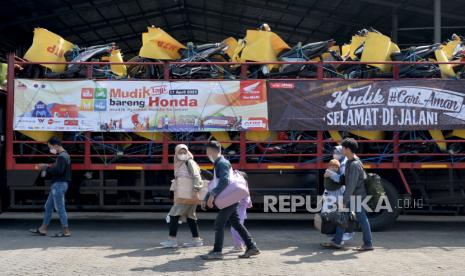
{"x":212,"y":255}
{"x":169,"y":244}
{"x":194,"y":243}
{"x":237,"y":249}
{"x":347,"y":236}
{"x":250,"y":252}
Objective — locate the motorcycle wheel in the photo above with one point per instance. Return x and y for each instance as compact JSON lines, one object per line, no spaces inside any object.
{"x":141,"y":71}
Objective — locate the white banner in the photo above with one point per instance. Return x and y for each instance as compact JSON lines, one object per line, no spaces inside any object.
{"x":142,"y":106}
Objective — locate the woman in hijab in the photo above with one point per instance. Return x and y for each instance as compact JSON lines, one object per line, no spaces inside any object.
{"x":339,"y":178}
{"x":187,"y":176}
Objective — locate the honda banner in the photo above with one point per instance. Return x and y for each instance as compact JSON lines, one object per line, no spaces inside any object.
{"x":142,"y":106}
{"x":366,"y":105}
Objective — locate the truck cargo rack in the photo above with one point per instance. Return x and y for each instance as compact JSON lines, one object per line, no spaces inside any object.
{"x":102,"y":156}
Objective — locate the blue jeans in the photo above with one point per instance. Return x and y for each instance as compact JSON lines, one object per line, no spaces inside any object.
{"x":56,"y":200}
{"x":364,"y":224}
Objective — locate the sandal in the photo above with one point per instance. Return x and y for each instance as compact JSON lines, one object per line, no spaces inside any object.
{"x":37,"y":232}
{"x":364,"y":248}
{"x":61,"y":235}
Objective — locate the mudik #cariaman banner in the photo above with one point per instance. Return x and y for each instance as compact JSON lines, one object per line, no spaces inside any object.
{"x":142,"y":106}
{"x":366,"y":105}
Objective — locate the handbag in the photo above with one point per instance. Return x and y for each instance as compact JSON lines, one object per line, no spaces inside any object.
{"x":184,"y":192}
{"x":235,"y":191}
{"x":345,"y":220}
{"x":323,"y":224}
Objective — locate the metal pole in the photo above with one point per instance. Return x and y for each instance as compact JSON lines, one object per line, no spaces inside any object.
{"x":10,"y":161}
{"x":437,"y":21}
{"x":395,"y":26}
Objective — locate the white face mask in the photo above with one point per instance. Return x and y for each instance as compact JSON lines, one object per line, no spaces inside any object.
{"x":53,"y":151}
{"x":337,"y":156}
{"x":182,"y":157}
{"x":211,"y":159}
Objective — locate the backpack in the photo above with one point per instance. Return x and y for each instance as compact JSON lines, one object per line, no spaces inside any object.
{"x":375,"y":188}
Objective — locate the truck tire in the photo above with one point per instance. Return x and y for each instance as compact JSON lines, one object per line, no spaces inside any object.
{"x":384,"y":219}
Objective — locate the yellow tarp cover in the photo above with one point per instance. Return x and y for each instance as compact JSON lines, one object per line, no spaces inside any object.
{"x":378,"y":47}
{"x":446,"y":69}
{"x":369,"y":134}
{"x":157,"y":44}
{"x":355,"y":42}
{"x":232,"y":44}
{"x":261,"y":136}
{"x":262,"y":46}
{"x":119,"y":70}
{"x":450,"y":46}
{"x":49,"y":47}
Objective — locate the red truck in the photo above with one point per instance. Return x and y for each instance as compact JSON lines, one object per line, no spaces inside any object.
{"x":127,"y":171}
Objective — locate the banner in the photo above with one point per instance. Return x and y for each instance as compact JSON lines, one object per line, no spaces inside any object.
{"x":142,"y":106}
{"x":366,"y":105}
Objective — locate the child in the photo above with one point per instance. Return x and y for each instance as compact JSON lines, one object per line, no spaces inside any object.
{"x":332,"y":185}
{"x":239,"y":245}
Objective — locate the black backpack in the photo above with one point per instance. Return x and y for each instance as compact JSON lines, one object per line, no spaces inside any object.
{"x":374,"y":187}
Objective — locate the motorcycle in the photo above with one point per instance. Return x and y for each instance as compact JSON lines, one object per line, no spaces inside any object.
{"x":144,"y":70}
{"x":370,"y":46}
{"x":415,"y":54}
{"x":94,"y":53}
{"x":106,"y":52}
{"x":210,"y":52}
{"x":367,"y":46}
{"x":307,"y":52}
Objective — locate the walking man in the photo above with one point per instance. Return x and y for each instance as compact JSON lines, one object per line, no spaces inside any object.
{"x":60,"y":173}
{"x":222,"y":169}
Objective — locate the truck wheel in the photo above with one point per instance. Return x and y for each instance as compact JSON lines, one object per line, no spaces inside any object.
{"x":384,"y":219}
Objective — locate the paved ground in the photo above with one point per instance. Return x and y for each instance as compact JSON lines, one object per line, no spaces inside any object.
{"x":130,"y":247}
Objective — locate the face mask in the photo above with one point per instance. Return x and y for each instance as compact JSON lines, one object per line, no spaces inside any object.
{"x":53,"y":151}
{"x":211,"y":159}
{"x":337,"y":156}
{"x":182,"y":157}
